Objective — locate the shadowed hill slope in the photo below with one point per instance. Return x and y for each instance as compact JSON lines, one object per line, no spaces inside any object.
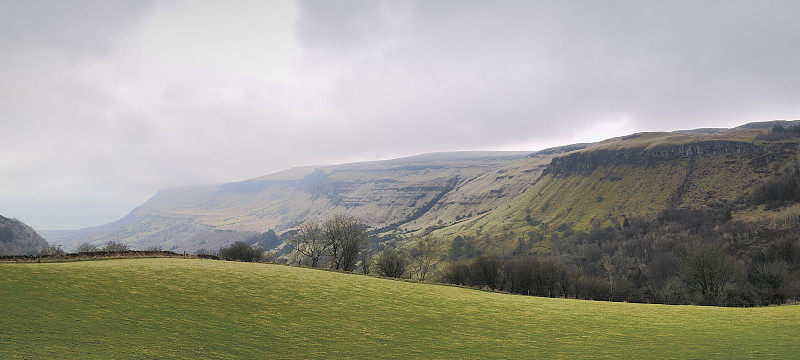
{"x":17,"y":238}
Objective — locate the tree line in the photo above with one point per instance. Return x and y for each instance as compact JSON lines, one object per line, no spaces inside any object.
{"x":780,"y":132}
{"x":87,"y":247}
{"x":684,"y":256}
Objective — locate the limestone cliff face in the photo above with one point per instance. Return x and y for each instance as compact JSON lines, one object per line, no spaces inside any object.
{"x":17,"y":238}
{"x":586,"y":162}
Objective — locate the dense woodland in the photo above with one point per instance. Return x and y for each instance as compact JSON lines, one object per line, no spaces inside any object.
{"x":18,"y":238}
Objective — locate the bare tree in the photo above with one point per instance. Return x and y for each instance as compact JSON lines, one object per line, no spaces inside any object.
{"x":707,"y":270}
{"x":391,"y":263}
{"x":486,"y":270}
{"x":114,"y":246}
{"x":269,"y":256}
{"x":345,"y":238}
{"x":86,"y":247}
{"x":241,"y":251}
{"x":310,"y":242}
{"x":367,"y":260}
{"x":616,"y":266}
{"x":611,"y":270}
{"x":425,"y":252}
{"x":206,"y":251}
{"x":568,"y":280}
{"x":51,"y":250}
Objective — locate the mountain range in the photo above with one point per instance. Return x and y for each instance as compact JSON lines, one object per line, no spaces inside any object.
{"x":494,"y":196}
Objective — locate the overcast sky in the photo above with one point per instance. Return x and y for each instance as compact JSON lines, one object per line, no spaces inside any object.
{"x":103,"y":103}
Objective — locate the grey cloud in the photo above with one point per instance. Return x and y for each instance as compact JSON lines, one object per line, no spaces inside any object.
{"x":521,"y":65}
{"x":76,"y":27}
{"x":344,"y":25}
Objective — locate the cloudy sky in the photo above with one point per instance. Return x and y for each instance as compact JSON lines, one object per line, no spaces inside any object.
{"x":102,"y":103}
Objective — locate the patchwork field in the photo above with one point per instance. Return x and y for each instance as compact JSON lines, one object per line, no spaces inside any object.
{"x":177,"y":308}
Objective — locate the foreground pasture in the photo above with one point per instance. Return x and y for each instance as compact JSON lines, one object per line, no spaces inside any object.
{"x":176,"y":308}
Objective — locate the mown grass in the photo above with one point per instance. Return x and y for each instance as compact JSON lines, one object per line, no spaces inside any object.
{"x":176,"y":308}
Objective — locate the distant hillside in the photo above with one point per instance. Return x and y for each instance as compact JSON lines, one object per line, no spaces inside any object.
{"x":496,"y":198}
{"x":405,"y":194}
{"x":17,"y":238}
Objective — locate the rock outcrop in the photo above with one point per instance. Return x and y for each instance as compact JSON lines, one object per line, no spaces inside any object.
{"x":586,"y":162}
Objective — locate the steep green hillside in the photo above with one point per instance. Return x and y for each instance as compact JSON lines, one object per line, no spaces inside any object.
{"x":175,"y":308}
{"x":638,"y":175}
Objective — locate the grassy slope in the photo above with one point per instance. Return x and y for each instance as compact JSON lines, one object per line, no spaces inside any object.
{"x":175,"y":308}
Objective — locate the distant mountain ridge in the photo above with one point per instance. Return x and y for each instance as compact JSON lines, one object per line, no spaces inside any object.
{"x":498,"y":196}
{"x":382,"y":193}
{"x":17,"y":238}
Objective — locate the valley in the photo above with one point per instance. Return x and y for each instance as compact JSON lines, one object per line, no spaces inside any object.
{"x":504,"y":195}
{"x":704,"y":216}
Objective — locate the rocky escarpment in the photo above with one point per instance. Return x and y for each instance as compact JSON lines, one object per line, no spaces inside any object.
{"x":17,"y":238}
{"x":586,"y":162}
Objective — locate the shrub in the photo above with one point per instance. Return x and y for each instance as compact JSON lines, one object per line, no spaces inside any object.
{"x":391,"y":263}
{"x":86,"y":247}
{"x":113,"y":246}
{"x":52,"y":250}
{"x":207,"y":252}
{"x":777,"y":189}
{"x":241,"y":251}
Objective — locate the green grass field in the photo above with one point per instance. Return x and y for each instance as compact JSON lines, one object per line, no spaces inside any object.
{"x":176,"y":308}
